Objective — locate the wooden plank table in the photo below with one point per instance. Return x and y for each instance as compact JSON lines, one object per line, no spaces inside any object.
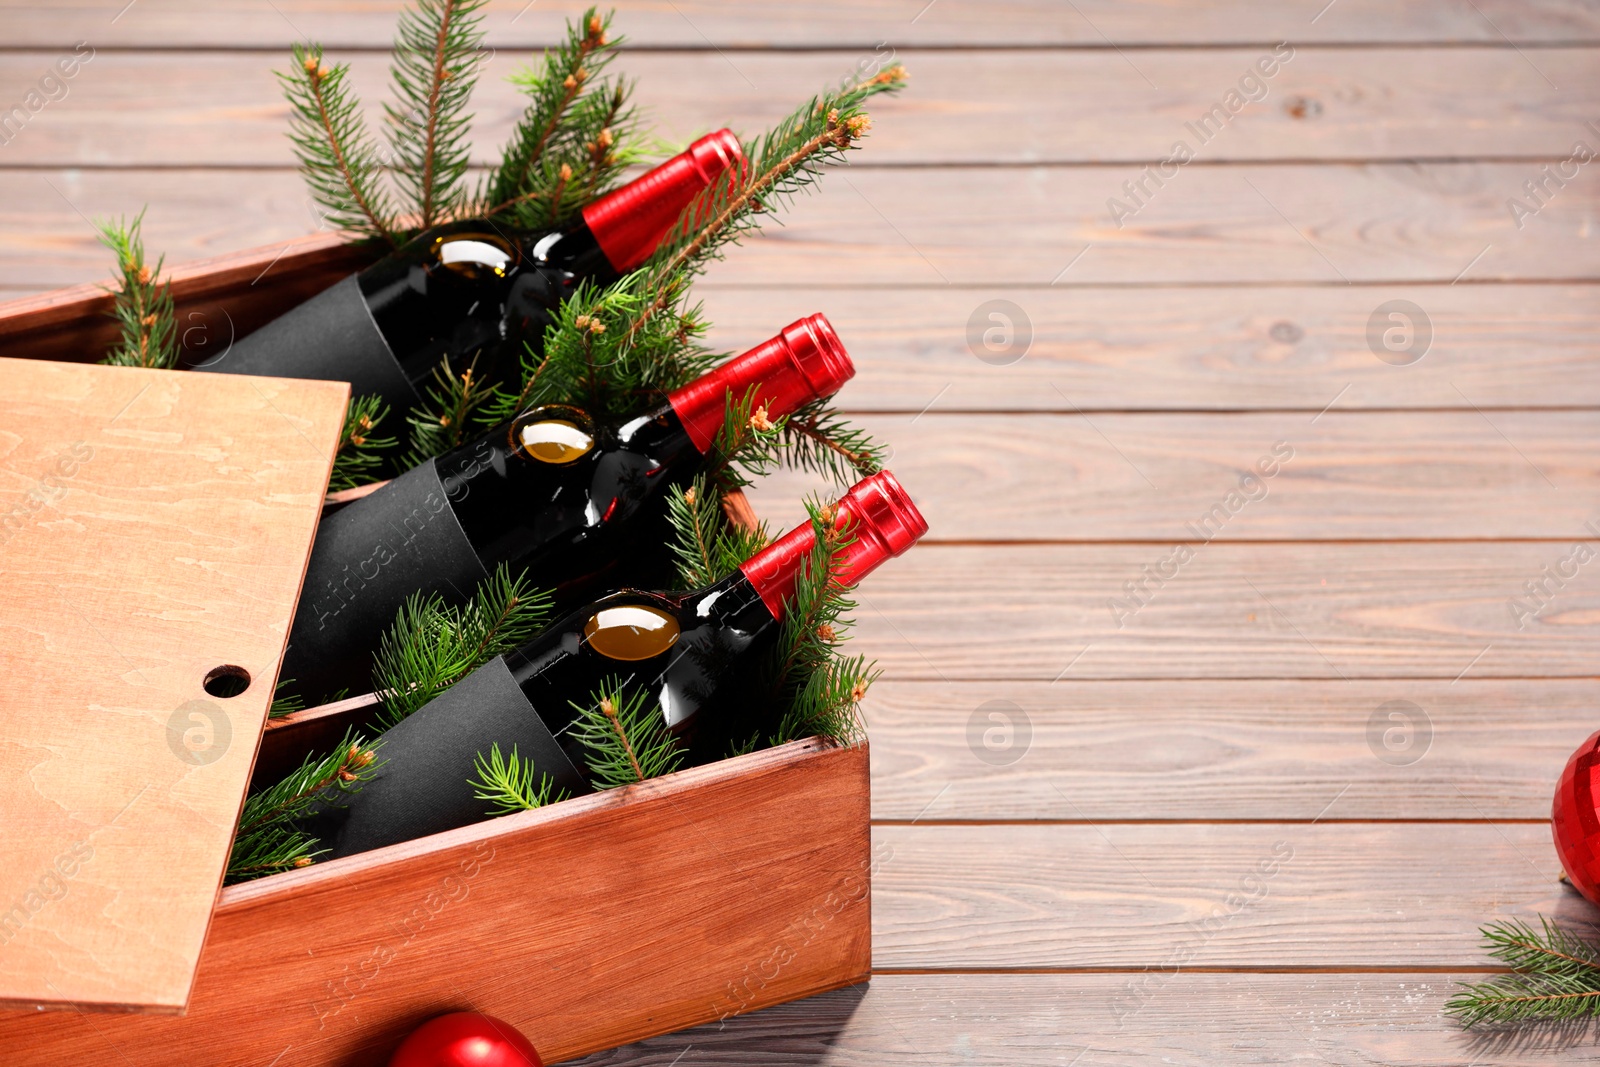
{"x":1129,"y":808}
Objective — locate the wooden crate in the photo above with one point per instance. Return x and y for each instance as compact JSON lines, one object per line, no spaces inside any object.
{"x":589,"y":924}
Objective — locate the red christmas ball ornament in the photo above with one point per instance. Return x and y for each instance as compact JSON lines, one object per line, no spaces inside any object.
{"x":1574,"y":821}
{"x":465,"y":1039}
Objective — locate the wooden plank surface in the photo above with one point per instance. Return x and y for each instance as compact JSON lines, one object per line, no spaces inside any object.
{"x":1283,"y":610}
{"x":1164,"y":477}
{"x":1250,"y":895}
{"x":1104,"y":1020}
{"x":275,"y":24}
{"x":223,"y":109}
{"x":155,"y":531}
{"x":968,"y":226}
{"x":1298,"y":347}
{"x":1183,"y":751}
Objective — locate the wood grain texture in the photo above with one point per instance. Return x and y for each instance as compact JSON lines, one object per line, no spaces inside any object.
{"x":1248,"y":895}
{"x":1103,"y":348}
{"x":1422,"y":610}
{"x":1197,"y":750}
{"x":1348,"y":476}
{"x":1104,"y":1020}
{"x":1022,"y":107}
{"x":698,"y":24}
{"x":155,"y":527}
{"x":937,"y":227}
{"x":215,"y":301}
{"x":728,"y":905}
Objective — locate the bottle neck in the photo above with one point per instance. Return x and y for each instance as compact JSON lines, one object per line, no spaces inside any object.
{"x":631,"y":221}
{"x":803,"y":363}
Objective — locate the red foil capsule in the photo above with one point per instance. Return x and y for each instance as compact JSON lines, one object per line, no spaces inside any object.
{"x":1575,"y":823}
{"x":804,"y":362}
{"x":628,"y":223}
{"x":877,"y":513}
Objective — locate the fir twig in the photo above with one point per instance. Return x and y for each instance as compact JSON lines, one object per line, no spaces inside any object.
{"x":431,"y":646}
{"x":446,"y":418}
{"x":818,"y":689}
{"x":337,"y":153}
{"x":625,"y":734}
{"x":1555,"y":976}
{"x":143,"y":307}
{"x":817,"y":438}
{"x":270,"y":838}
{"x":434,"y":72}
{"x":788,"y":160}
{"x":288,"y":703}
{"x":706,"y":546}
{"x":359,"y":458}
{"x":570,"y":142}
{"x":511,"y":785}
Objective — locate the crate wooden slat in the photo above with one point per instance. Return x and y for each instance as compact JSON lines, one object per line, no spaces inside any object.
{"x":587,"y":924}
{"x":155,"y":528}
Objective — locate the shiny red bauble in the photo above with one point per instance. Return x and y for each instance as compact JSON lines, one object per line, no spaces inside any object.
{"x":465,"y":1039}
{"x":1575,"y":822}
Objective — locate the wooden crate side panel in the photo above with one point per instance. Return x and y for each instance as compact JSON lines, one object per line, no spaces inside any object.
{"x":216,"y":301}
{"x":587,"y":925}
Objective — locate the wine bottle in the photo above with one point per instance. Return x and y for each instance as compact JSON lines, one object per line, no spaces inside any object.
{"x":692,"y":652}
{"x":472,"y":290}
{"x":552,"y":491}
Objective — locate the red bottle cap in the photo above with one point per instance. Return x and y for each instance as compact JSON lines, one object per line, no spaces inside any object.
{"x":805,"y":362}
{"x":628,"y":223}
{"x":877,"y":513}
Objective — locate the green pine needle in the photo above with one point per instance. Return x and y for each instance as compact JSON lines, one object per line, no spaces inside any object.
{"x":705,"y":545}
{"x":143,"y":307}
{"x":337,"y":153}
{"x":287,"y":704}
{"x":1555,"y":976}
{"x":359,"y":459}
{"x":817,"y":438}
{"x":433,"y":73}
{"x":431,"y":646}
{"x":625,"y":734}
{"x":270,"y":837}
{"x":511,"y":785}
{"x":574,"y":138}
{"x":819,"y":689}
{"x":787,"y":161}
{"x":448,"y":416}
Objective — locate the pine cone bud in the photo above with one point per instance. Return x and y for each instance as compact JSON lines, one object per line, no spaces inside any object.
{"x":688,"y":496}
{"x":566,"y":172}
{"x":858,"y":692}
{"x":759,"y":421}
{"x":302,"y":861}
{"x":311,"y":65}
{"x":826,"y":633}
{"x":608,"y":709}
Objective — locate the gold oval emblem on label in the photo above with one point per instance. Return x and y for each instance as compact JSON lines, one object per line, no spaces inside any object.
{"x":630,"y":632}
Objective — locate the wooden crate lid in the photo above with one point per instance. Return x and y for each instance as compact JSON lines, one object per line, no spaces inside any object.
{"x":154,"y":526}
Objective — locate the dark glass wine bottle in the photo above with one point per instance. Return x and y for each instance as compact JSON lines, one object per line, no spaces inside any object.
{"x":694,"y":653}
{"x":553,"y":491}
{"x":472,"y":290}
